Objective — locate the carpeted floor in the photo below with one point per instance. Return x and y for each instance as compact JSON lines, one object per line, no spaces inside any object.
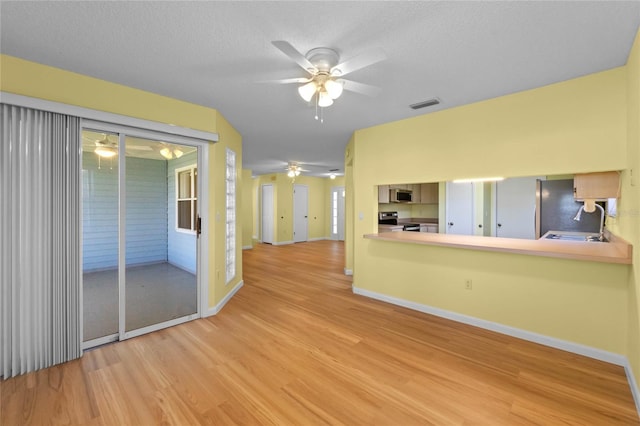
{"x":154,"y":293}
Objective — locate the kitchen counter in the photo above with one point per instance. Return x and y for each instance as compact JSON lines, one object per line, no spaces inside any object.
{"x":418,"y":220}
{"x":389,"y":228}
{"x":398,"y":227}
{"x":615,"y":251}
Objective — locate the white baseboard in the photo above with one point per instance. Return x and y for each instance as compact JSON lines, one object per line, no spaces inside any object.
{"x":318,"y":239}
{"x":218,"y":307}
{"x":635,"y":391}
{"x":281,"y":243}
{"x":553,"y":342}
{"x":349,"y":272}
{"x":247,"y":247}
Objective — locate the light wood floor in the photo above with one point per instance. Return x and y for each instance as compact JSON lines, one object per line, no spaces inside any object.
{"x":296,"y":347}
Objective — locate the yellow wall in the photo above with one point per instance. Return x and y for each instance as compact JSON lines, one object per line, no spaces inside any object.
{"x":627,"y":224}
{"x":228,"y":137}
{"x":349,"y":208}
{"x":572,"y":126}
{"x":39,"y":81}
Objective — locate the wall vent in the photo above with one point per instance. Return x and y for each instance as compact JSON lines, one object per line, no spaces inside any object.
{"x":424,"y":104}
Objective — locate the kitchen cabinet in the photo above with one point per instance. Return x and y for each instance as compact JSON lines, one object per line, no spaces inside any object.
{"x":383,"y":194}
{"x":429,"y":227}
{"x":416,"y":195}
{"x":601,"y":185}
{"x":429,"y":193}
{"x":421,"y":193}
{"x":400,"y":186}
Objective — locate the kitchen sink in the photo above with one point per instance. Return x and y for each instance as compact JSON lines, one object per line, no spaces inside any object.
{"x":573,"y":237}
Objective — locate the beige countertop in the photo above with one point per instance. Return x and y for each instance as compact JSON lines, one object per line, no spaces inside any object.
{"x":418,"y":220}
{"x":615,"y":251}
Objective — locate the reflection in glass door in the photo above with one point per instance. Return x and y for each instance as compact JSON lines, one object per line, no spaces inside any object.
{"x":100,"y":234}
{"x":161,"y":240}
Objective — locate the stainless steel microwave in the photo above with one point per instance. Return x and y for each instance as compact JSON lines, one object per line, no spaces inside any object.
{"x":400,"y":195}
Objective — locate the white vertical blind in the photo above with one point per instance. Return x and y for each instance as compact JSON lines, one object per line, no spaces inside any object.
{"x":40,"y":262}
{"x":231,"y":215}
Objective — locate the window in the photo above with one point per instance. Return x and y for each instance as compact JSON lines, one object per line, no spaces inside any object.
{"x":334,"y":213}
{"x":186,"y":198}
{"x":231,"y":215}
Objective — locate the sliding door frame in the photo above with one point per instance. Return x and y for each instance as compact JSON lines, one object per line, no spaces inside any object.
{"x":202,"y":272}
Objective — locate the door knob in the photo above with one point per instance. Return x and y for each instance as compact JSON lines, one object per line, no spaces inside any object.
{"x":450,"y":223}
{"x":499,"y":225}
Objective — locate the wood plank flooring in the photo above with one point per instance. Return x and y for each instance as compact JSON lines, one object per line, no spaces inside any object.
{"x":296,"y":347}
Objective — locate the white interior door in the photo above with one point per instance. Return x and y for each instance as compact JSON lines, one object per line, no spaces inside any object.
{"x":459,"y":208}
{"x":267,"y":214}
{"x":300,"y":213}
{"x":515,"y":208}
{"x":337,"y":213}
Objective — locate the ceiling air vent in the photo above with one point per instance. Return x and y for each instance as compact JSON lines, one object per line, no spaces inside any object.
{"x":424,"y":104}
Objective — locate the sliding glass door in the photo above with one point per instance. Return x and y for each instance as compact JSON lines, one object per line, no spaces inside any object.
{"x":140,"y":233}
{"x":100,"y":173}
{"x":160,"y":232}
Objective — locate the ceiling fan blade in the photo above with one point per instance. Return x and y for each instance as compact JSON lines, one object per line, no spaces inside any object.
{"x":287,"y":80}
{"x":286,"y":48}
{"x":358,"y":62}
{"x":362,"y":88}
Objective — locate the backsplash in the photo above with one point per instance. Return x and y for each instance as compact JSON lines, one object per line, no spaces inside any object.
{"x":406,"y":211}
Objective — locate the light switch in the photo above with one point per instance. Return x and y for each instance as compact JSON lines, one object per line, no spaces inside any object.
{"x":360,"y":215}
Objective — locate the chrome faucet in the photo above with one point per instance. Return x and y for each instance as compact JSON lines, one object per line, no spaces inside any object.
{"x":581,"y":209}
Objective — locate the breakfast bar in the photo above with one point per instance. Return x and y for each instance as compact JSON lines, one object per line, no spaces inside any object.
{"x":616,"y":250}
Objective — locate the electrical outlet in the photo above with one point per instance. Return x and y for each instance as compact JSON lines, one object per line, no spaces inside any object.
{"x":467,"y":284}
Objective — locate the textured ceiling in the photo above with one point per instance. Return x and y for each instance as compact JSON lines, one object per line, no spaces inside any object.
{"x":216,"y":53}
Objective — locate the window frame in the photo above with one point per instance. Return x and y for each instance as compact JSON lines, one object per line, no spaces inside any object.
{"x":231,"y":215}
{"x":193,"y":199}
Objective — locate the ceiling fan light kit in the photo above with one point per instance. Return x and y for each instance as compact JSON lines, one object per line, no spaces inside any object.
{"x":324,"y":100}
{"x":325,"y":82}
{"x":105,"y":151}
{"x":169,"y":154}
{"x":307,"y":91}
{"x":334,"y":89}
{"x":293,"y":169}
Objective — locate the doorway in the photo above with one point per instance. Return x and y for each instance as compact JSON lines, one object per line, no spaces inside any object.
{"x":459,"y":208}
{"x":140,"y":231}
{"x":337,"y":213}
{"x":515,"y":208}
{"x":267,"y":214}
{"x":300,"y":213}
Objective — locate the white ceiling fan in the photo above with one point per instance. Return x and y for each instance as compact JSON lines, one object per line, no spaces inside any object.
{"x":325,"y":82}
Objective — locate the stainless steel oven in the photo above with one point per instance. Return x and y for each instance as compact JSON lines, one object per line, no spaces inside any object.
{"x":387,"y":218}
